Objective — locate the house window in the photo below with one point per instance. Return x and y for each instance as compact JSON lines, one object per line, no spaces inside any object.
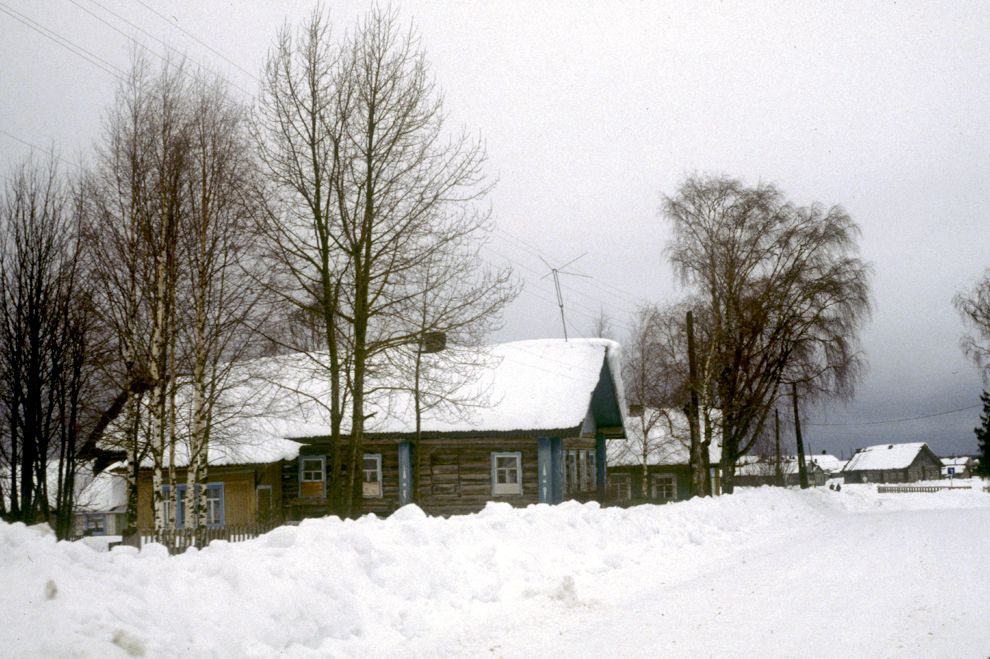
{"x":214,"y":505}
{"x":589,"y":479}
{"x":663,"y":487}
{"x":579,"y":470}
{"x":372,"y":486}
{"x":506,"y":473}
{"x":312,"y":476}
{"x":571,"y":471}
{"x":167,"y":504}
{"x":95,"y":525}
{"x":620,"y":487}
{"x":263,"y":503}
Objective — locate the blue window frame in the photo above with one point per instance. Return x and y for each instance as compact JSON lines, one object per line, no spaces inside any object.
{"x":214,"y":505}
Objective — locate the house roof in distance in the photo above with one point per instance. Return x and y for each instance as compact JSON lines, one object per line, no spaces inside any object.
{"x":885,"y":456}
{"x":829,"y":463}
{"x":667,"y":440}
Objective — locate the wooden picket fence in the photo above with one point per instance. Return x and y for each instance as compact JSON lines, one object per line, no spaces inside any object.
{"x":178,"y":540}
{"x":889,"y":489}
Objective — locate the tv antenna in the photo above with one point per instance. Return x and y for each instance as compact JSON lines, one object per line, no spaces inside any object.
{"x":556,"y":272}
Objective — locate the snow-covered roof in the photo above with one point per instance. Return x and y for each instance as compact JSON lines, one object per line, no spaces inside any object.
{"x":525,"y":386}
{"x":752,"y":465}
{"x":885,"y":456}
{"x":829,"y":463}
{"x":957,"y":462}
{"x":667,"y":443}
{"x":105,"y":492}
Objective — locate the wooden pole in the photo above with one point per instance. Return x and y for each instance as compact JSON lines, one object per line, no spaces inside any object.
{"x":802,"y":469}
{"x":699,"y":471}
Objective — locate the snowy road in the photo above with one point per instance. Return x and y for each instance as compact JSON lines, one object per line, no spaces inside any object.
{"x":759,"y":573}
{"x":909,"y":583}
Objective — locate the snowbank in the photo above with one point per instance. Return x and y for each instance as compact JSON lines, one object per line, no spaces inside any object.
{"x":409,"y":584}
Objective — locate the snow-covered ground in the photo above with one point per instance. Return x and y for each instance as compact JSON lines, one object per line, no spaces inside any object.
{"x":764,"y":572}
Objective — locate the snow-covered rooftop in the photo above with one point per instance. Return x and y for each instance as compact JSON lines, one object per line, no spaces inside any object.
{"x":667,"y":442}
{"x":105,"y":492}
{"x":525,"y":386}
{"x":829,"y":463}
{"x":956,"y":462}
{"x":885,"y":456}
{"x":752,"y":465}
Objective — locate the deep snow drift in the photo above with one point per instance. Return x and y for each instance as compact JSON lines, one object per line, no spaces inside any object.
{"x":764,"y":572}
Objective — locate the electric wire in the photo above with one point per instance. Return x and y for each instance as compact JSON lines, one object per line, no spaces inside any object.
{"x":901,"y":420}
{"x":199,"y":41}
{"x":72,"y":47}
{"x":143,"y":31}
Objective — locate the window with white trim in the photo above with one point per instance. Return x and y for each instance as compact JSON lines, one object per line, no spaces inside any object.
{"x":214,"y":504}
{"x":663,"y":487}
{"x":166,"y":503}
{"x":372,"y":485}
{"x":312,"y":476}
{"x":506,"y":474}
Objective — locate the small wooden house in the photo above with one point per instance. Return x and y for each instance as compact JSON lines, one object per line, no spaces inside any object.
{"x":754,"y":471}
{"x":524,"y":422}
{"x":532,"y":427}
{"x":893,"y":463}
{"x":652,"y":464}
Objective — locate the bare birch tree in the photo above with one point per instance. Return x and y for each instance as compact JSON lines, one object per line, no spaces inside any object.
{"x":220,"y":298}
{"x":782,"y":287}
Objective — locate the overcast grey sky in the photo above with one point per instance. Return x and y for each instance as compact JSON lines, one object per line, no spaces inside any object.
{"x":592,"y":111}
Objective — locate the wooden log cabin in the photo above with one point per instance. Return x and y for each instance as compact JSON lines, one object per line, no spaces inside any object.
{"x":538,"y":436}
{"x":527,"y":422}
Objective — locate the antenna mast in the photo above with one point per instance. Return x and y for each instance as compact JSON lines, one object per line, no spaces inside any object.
{"x":556,"y":272}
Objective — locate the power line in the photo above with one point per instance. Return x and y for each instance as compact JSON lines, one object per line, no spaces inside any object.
{"x":198,"y":40}
{"x":910,"y":418}
{"x":35,"y":147}
{"x":143,"y":31}
{"x":72,"y":47}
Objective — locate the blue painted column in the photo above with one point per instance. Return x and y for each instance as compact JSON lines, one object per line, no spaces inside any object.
{"x":556,"y":470}
{"x":600,"y":465}
{"x":543,"y":464}
{"x":405,"y":473}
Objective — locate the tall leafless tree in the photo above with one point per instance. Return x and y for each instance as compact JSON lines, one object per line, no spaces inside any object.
{"x":785,"y":293}
{"x":169,"y":218}
{"x":373,"y":186}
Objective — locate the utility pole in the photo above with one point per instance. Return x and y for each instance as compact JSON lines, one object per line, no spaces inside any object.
{"x":802,"y":469}
{"x":699,"y":474}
